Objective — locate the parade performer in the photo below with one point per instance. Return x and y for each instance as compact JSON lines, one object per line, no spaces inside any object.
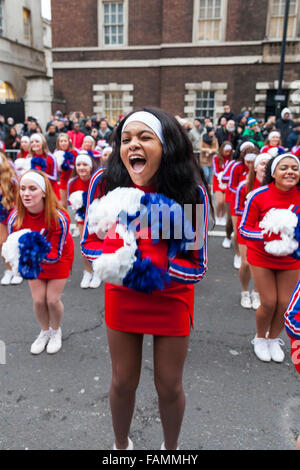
{"x":219,"y":163}
{"x":78,"y":186}
{"x":292,"y":324}
{"x":268,"y":225}
{"x":238,"y":174}
{"x":254,"y":180}
{"x":65,"y":156}
{"x":8,"y":193}
{"x":149,"y":282}
{"x":44,"y":161}
{"x":273,"y":144}
{"x":40,"y":248}
{"x":89,"y":145}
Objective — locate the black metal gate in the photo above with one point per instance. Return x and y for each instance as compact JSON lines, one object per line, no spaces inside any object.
{"x":271,"y":103}
{"x":14,"y":109}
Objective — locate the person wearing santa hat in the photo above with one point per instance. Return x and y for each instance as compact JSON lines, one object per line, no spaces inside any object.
{"x":268,"y":224}
{"x":40,"y":248}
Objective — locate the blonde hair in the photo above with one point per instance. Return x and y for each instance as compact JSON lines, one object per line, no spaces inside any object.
{"x":7,"y":175}
{"x":64,"y":134}
{"x":44,"y":145}
{"x":52,"y":205}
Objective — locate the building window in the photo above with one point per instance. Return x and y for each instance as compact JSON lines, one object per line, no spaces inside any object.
{"x":205,"y":104}
{"x":113,"y":106}
{"x":276,"y":19}
{"x":27,"y":25}
{"x":1,"y":18}
{"x":210,"y":15}
{"x":113,"y":23}
{"x":6,"y":92}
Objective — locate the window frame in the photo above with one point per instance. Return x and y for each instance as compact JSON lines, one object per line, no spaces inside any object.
{"x":2,"y":27}
{"x":223,"y":22}
{"x":27,"y":25}
{"x":295,"y":27}
{"x":101,"y":34}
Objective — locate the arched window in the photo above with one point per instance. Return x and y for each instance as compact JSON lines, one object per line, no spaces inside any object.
{"x":7,"y":91}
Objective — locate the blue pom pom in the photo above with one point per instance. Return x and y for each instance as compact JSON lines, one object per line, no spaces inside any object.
{"x":145,"y":276}
{"x":38,"y":163}
{"x":33,"y":248}
{"x":81,"y":211}
{"x":68,"y":160}
{"x":296,"y":253}
{"x":3,"y":211}
{"x":90,"y":153}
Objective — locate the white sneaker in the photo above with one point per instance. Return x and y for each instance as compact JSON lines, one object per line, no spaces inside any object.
{"x":222,"y":221}
{"x":218,"y":219}
{"x":95,"y":282}
{"x":245,"y":299}
{"x":276,"y":352}
{"x":85,"y":282}
{"x":74,"y":230}
{"x":129,"y":447}
{"x":237,"y":262}
{"x":255,"y":299}
{"x":226,"y":243}
{"x":7,"y":277}
{"x":40,"y":343}
{"x":55,"y":341}
{"x":261,"y":349}
{"x":163,"y":447}
{"x":16,"y":279}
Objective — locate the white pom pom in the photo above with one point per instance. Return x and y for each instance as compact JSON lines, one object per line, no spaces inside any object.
{"x":279,"y":221}
{"x":220,"y":176}
{"x":59,"y":156}
{"x":10,"y":249}
{"x":273,"y":151}
{"x":22,"y":164}
{"x":103,"y":213}
{"x":75,"y":200}
{"x":284,"y":247}
{"x":113,"y":267}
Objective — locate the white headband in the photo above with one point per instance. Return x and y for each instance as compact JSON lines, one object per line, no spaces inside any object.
{"x":25,"y":138}
{"x":261,"y":157}
{"x":150,"y":120}
{"x":36,"y":136}
{"x":273,"y":134}
{"x":1,"y":160}
{"x":107,"y":149}
{"x":250,"y":157}
{"x":36,"y":177}
{"x":280,"y":157}
{"x":84,"y":158}
{"x":227,"y":147}
{"x":246,"y":144}
{"x":89,"y":137}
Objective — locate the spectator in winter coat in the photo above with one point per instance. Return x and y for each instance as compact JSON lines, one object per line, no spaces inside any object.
{"x":195,"y":136}
{"x":51,"y":137}
{"x":104,"y":131}
{"x":253,"y":134}
{"x":293,"y":136}
{"x":228,"y":114}
{"x":285,"y":125}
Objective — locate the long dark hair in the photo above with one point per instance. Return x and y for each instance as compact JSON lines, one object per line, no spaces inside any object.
{"x":268,"y":176}
{"x":179,"y":174}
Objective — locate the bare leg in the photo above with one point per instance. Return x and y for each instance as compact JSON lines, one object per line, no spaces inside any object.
{"x":220,"y":204}
{"x":55,"y":306}
{"x":86,"y":263}
{"x":126,"y":356}
{"x":244,"y":271}
{"x":64,"y":198}
{"x":265,"y":283}
{"x":286,"y":282}
{"x":169,"y":358}
{"x":38,"y":289}
{"x":235,"y":243}
{"x":229,"y":226}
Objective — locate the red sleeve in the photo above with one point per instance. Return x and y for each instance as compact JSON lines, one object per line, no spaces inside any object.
{"x":57,"y":237}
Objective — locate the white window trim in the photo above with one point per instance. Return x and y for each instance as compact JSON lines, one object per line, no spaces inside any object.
{"x":223,"y":23}
{"x":297,"y":22}
{"x":101,"y":43}
{"x":99,"y":91}
{"x":220,"y":89}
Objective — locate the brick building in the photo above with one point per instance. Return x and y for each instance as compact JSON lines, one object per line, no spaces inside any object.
{"x":189,"y":57}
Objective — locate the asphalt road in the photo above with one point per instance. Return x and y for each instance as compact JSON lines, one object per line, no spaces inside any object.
{"x":234,"y":401}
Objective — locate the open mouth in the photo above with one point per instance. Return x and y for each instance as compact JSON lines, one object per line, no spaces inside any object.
{"x":137,"y":163}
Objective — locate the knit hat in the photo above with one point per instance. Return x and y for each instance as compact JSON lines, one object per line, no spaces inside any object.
{"x":251,"y":122}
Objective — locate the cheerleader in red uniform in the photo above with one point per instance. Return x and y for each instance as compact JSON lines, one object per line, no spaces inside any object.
{"x":43,"y":160}
{"x":65,"y":156}
{"x":238,"y":174}
{"x":149,"y":289}
{"x":41,"y":249}
{"x":296,"y":149}
{"x":8,"y":193}
{"x":22,"y":162}
{"x":292,"y":325}
{"x":24,"y":147}
{"x":268,"y":225}
{"x":273,"y":144}
{"x":254,"y":180}
{"x":89,"y":145}
{"x":78,"y":186}
{"x":219,"y":163}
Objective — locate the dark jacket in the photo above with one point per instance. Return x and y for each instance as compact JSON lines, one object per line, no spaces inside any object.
{"x":285,"y":126}
{"x":292,"y":139}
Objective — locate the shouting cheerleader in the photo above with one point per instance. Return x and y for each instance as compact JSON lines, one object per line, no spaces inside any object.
{"x":149,"y":282}
{"x":65,"y":156}
{"x":268,"y":225}
{"x":41,"y":249}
